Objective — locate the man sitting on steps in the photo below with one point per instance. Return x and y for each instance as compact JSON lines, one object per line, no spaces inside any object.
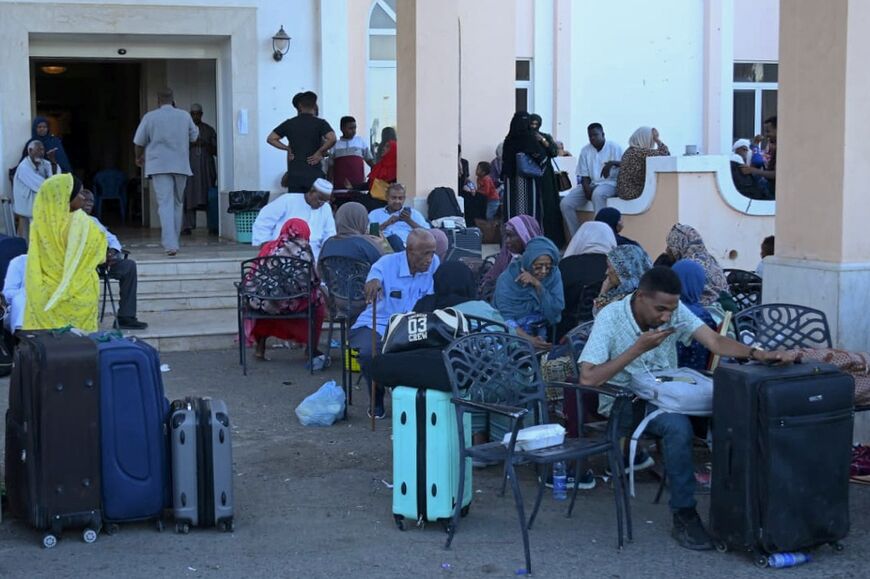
{"x":121,"y":269}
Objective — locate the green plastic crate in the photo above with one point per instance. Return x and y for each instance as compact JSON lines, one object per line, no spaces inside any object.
{"x":244,"y":224}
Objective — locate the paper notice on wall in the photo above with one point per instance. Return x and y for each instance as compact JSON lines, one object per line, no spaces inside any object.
{"x":243,"y":121}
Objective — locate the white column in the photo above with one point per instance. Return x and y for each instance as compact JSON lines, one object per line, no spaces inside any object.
{"x":718,"y":76}
{"x":334,"y":94}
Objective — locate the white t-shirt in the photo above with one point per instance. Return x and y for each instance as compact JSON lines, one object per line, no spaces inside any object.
{"x":591,"y":161}
{"x":272,"y":217}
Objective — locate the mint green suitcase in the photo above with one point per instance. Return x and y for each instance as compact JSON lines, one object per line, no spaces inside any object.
{"x":426,"y":456}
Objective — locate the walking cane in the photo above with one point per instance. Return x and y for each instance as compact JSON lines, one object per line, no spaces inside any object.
{"x":374,"y":353}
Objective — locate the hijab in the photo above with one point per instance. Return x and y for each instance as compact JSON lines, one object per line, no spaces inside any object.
{"x":692,"y":280}
{"x":64,"y":251}
{"x":442,"y":244}
{"x":515,"y":301}
{"x":642,"y":138}
{"x":525,"y":227}
{"x":352,"y":220}
{"x":292,"y":229}
{"x":592,"y":237}
{"x":612,"y":216}
{"x":684,"y":242}
{"x":453,"y":285}
{"x":629,"y":262}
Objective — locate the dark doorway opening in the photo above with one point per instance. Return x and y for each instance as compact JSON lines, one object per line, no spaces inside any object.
{"x":94,"y":106}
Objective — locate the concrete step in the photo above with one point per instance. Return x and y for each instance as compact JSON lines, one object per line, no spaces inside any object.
{"x":178,"y":331}
{"x":183,"y":301}
{"x":190,"y":283}
{"x":163,"y":267}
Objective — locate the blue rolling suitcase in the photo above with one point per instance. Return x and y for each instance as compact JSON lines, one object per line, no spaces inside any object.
{"x":134,"y":431}
{"x":426,"y":456}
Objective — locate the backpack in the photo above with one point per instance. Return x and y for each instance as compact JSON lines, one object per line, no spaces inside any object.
{"x":442,"y":203}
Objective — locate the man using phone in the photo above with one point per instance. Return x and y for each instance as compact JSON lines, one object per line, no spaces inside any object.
{"x":397,"y":221}
{"x":638,"y":334}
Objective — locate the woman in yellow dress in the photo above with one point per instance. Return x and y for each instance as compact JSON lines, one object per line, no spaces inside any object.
{"x":65,"y":248}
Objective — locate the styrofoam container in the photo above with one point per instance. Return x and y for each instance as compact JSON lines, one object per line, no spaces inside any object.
{"x":540,"y":436}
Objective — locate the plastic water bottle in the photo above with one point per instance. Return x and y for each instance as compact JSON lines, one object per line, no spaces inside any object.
{"x":782,"y":560}
{"x":560,"y":481}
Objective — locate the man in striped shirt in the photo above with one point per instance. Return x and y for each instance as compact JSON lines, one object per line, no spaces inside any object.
{"x":348,"y":157}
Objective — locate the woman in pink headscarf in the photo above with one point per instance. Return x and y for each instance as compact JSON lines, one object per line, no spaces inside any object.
{"x":518,"y":231}
{"x":291,"y":242}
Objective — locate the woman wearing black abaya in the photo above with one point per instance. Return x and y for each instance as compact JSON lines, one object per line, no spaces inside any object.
{"x":522,"y":194}
{"x":551,"y":216}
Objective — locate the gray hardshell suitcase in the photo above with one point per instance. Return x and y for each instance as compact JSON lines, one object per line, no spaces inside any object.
{"x":202,"y":461}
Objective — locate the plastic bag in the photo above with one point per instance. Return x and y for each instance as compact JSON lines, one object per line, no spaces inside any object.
{"x":247,"y":201}
{"x":323,"y":407}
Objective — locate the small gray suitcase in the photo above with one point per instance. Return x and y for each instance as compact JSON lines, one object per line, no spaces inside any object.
{"x":202,"y":461}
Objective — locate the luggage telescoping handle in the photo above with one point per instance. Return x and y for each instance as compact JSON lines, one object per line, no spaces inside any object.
{"x":374,"y":353}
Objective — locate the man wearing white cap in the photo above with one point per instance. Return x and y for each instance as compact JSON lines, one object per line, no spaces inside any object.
{"x":745,"y":181}
{"x":312,"y":207}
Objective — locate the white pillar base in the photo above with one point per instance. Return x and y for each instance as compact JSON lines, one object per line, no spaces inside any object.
{"x":838,"y":289}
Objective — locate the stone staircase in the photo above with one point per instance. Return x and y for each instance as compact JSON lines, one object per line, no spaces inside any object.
{"x":188,"y":301}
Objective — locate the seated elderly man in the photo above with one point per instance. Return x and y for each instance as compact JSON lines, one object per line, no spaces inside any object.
{"x":13,"y":293}
{"x":119,"y":268}
{"x":396,"y":220}
{"x":312,"y":207}
{"x":638,"y":334}
{"x":33,"y":169}
{"x":395,"y":283}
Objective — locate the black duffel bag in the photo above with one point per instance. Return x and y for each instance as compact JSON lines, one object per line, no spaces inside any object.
{"x":247,"y":201}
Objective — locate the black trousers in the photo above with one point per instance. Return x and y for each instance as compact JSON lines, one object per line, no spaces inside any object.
{"x":125,"y":272}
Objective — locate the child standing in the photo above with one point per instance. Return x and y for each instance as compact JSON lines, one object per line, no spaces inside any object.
{"x":486,"y":187}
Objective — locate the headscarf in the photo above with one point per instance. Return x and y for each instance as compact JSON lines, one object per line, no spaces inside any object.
{"x":536,"y":117}
{"x":629,"y":262}
{"x":592,"y":237}
{"x":642,"y":138}
{"x":453,"y":285}
{"x":612,"y":216}
{"x":352,"y":220}
{"x":526,"y":227}
{"x":50,"y":142}
{"x":64,"y":252}
{"x":292,"y":229}
{"x":692,"y":280}
{"x":441,"y":242}
{"x":516,"y":301}
{"x":684,"y":242}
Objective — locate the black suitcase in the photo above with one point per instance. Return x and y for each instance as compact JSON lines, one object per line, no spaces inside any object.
{"x":461,"y":243}
{"x":782,"y":441}
{"x":53,"y":434}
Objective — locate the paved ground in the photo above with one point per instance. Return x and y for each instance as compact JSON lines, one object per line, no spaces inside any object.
{"x":311,"y":503}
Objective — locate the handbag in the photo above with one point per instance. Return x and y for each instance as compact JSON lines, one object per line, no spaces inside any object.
{"x":680,"y":390}
{"x":411,"y":331}
{"x":527,"y":167}
{"x":563,"y":180}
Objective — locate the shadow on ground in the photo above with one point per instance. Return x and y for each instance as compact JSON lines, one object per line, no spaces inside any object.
{"x":312,"y":502}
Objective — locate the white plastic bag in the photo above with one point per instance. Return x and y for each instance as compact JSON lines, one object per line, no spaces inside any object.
{"x":323,"y":407}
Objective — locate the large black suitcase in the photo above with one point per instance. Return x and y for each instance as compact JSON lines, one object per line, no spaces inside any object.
{"x":461,"y":243}
{"x":781,"y":452}
{"x":53,"y":434}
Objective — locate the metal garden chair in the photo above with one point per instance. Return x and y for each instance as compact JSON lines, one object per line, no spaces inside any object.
{"x":744,"y":287}
{"x":274,"y":279}
{"x":499,"y":374}
{"x":345,"y":278}
{"x":783,"y":327}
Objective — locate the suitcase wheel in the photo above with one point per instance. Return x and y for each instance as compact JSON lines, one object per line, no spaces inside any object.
{"x":182,"y":528}
{"x":760,"y":560}
{"x":721,"y":546}
{"x":837,"y":546}
{"x":227,"y":526}
{"x":89,"y":536}
{"x":399,"y":524}
{"x":49,"y":541}
{"x":161,"y":526}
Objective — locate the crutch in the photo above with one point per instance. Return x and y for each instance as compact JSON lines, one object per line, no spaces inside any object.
{"x":374,"y":353}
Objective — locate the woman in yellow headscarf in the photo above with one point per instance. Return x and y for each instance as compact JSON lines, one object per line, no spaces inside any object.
{"x":65,"y":248}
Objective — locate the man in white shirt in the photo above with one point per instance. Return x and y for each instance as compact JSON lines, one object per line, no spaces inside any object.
{"x":162,"y":142}
{"x":120,"y":268}
{"x":312,"y":207}
{"x":33,"y":169}
{"x":397,"y":221}
{"x":597,"y":168}
{"x":14,"y":294}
